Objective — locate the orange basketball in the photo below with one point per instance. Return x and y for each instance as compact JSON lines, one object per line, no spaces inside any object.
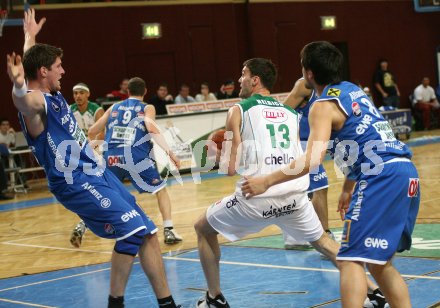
{"x":218,"y":137}
{"x":214,"y":148}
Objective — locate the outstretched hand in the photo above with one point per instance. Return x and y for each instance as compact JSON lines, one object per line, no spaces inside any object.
{"x":15,"y":69}
{"x":254,"y":186}
{"x":30,"y":25}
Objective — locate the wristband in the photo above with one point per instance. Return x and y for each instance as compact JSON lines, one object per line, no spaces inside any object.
{"x":20,"y":92}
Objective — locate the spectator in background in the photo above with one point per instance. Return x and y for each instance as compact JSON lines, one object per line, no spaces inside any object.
{"x":205,"y":95}
{"x":426,"y":102}
{"x":385,"y":84}
{"x":184,"y":96}
{"x":7,"y":133}
{"x":3,"y":182}
{"x":161,"y":99}
{"x":122,"y":93}
{"x":7,"y":140}
{"x":86,"y":112}
{"x":227,"y":90}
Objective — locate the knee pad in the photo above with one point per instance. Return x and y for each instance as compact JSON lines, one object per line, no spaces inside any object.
{"x":130,"y":245}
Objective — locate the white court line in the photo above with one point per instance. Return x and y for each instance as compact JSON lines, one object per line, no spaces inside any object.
{"x":193,"y":209}
{"x":429,"y":200}
{"x":36,"y":236}
{"x":24,"y":303}
{"x":221,"y":262}
{"x":57,"y":279}
{"x":57,"y":248}
{"x":290,"y":267}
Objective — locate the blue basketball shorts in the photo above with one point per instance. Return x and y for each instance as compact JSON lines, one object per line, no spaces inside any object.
{"x":318,"y":179}
{"x":104,"y":204}
{"x":382,"y":214}
{"x":142,"y":173}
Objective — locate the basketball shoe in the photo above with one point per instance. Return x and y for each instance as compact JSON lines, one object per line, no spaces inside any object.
{"x":171,"y":236}
{"x":207,"y":302}
{"x":376,"y":300}
{"x":292,"y":243}
{"x":77,"y":234}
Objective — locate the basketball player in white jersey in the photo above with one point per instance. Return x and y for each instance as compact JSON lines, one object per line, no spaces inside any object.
{"x":264,"y":136}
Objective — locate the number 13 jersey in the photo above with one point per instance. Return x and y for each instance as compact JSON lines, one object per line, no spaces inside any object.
{"x":270,"y":141}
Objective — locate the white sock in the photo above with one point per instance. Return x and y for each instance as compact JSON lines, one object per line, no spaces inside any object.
{"x":168,"y":223}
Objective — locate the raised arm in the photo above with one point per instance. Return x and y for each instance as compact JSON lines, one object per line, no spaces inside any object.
{"x":153,"y":129}
{"x":298,"y":94}
{"x":31,"y":28}
{"x":31,"y":105}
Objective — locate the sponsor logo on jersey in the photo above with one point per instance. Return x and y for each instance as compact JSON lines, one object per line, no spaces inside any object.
{"x":109,"y":229}
{"x":356,"y":94}
{"x":413,"y":187}
{"x":356,"y":109}
{"x":65,"y":119}
{"x":319,"y":176}
{"x":278,"y":160}
{"x":106,"y":202}
{"x":357,"y":206}
{"x":268,"y":103}
{"x":362,"y":185}
{"x":275,"y":115}
{"x":281,"y":211}
{"x":334,"y":92}
{"x":113,"y":160}
{"x":129,"y":215}
{"x":92,"y":190}
{"x":372,"y":242}
{"x":55,"y":107}
{"x":114,"y":114}
{"x":232,"y":202}
{"x":365,"y":123}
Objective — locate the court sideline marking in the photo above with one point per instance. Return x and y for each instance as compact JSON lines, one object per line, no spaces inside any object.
{"x":24,"y":303}
{"x":197,"y":260}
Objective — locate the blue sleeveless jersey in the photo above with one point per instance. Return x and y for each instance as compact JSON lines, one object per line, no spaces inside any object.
{"x":303,"y":111}
{"x":365,"y":131}
{"x":126,"y":128}
{"x":62,"y":148}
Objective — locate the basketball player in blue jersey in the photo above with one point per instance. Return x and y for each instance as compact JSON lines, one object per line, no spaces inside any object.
{"x":380,"y":196}
{"x":129,"y":127}
{"x":301,"y":99}
{"x":74,"y":176}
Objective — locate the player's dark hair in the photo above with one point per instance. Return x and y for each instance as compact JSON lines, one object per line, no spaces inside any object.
{"x":38,"y":56}
{"x":324,"y":60}
{"x":136,"y":86}
{"x":264,"y":69}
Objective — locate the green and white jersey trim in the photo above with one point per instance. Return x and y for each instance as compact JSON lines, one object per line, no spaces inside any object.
{"x":270,"y":141}
{"x":87,"y":118}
